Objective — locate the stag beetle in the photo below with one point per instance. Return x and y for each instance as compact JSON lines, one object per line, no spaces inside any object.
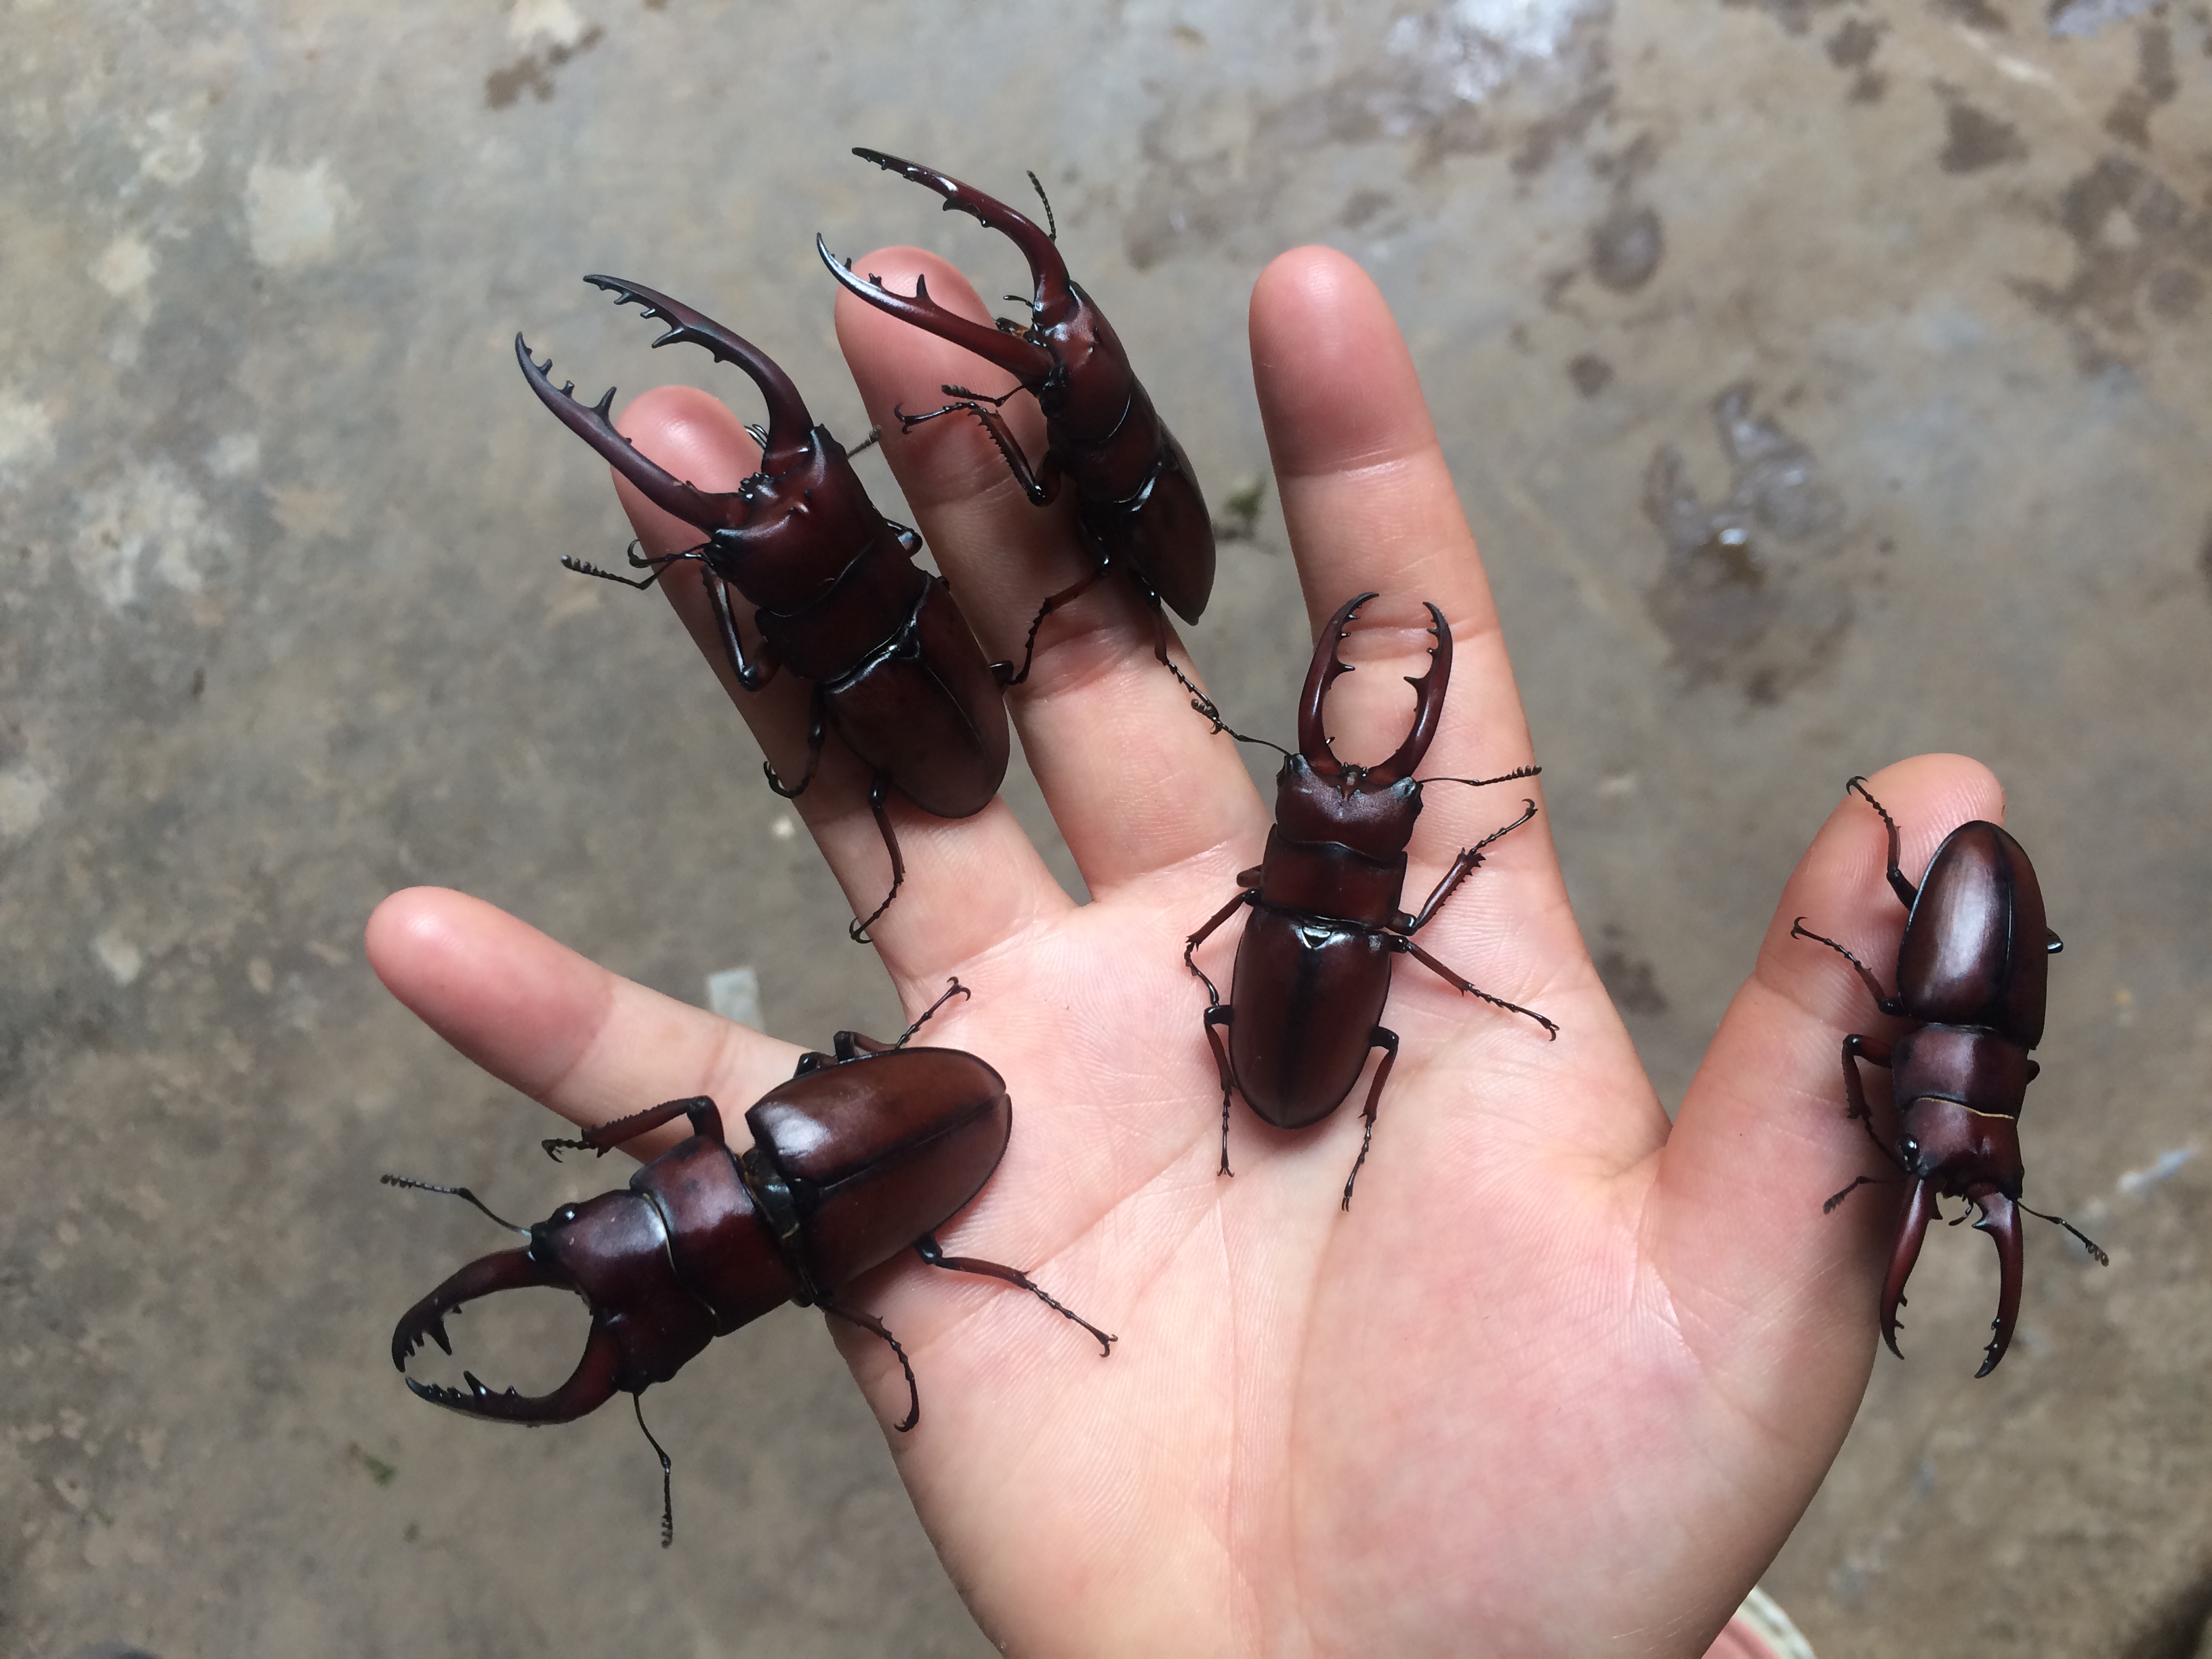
{"x":1971,"y":979}
{"x":864,"y":1152}
{"x":1313,"y":968}
{"x":1137,"y":499}
{"x":839,"y":599}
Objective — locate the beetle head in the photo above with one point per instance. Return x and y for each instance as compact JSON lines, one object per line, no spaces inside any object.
{"x":1951,"y":1151}
{"x":612,"y":1251}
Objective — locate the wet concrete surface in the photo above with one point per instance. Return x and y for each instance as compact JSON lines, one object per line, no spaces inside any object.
{"x":1828,"y":383}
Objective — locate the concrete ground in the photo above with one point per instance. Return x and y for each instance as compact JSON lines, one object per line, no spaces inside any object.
{"x":1913,"y":295}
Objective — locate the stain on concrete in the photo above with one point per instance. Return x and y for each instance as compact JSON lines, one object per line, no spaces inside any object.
{"x":2155,"y":83}
{"x":2140,"y":252}
{"x":1974,"y":14}
{"x":1852,"y":47}
{"x":2204,"y":559}
{"x":1361,"y":206}
{"x":1626,"y":247}
{"x":1452,"y":78}
{"x":533,"y":72}
{"x":2084,"y":17}
{"x":1795,"y":15}
{"x":1738,"y":596}
{"x":1591,"y":373}
{"x":1628,"y":980}
{"x":292,"y":214}
{"x":1974,"y":139}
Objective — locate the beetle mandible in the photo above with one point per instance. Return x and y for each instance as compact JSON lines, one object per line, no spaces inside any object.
{"x":1137,"y":501}
{"x":1313,"y":968}
{"x":1971,"y":973}
{"x":839,"y":598}
{"x":864,"y":1153}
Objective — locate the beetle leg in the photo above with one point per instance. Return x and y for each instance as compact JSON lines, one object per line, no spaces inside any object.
{"x":2002,"y":1221}
{"x":875,"y":1327}
{"x":1402,"y":943}
{"x":1906,"y":892}
{"x":1919,"y":1211}
{"x":1247,"y":879}
{"x":1040,"y":483}
{"x":1882,"y":1000}
{"x":931,"y":1251}
{"x":1218,"y":1017}
{"x":816,"y":728}
{"x":1857,"y":1048}
{"x":756,"y":673}
{"x":1053,"y":602}
{"x":1463,"y":867}
{"x":859,"y":929}
{"x":706,"y":1121}
{"x":1387,"y":1041}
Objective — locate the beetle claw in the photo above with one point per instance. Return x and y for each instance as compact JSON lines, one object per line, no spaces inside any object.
{"x":1919,"y":1211}
{"x":2000,"y":1220}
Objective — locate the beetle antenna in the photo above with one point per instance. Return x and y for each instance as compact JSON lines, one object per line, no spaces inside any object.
{"x":657,"y":562}
{"x":1507,"y":777}
{"x":667,"y":1493}
{"x":953,"y":988}
{"x":458,"y":1191}
{"x":1829,"y":1207}
{"x":2103,"y":1261}
{"x":1051,"y":229}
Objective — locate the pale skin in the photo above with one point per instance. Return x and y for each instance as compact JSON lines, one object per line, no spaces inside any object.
{"x":1562,"y":1379}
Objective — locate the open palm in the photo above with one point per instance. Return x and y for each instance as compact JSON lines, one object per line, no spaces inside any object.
{"x":1561,"y":1379}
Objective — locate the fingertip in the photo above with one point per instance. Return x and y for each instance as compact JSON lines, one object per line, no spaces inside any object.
{"x":1336,"y":384}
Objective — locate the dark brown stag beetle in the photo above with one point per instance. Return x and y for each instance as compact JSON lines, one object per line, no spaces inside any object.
{"x":1971,"y":978}
{"x":866,"y":1153}
{"x":839,"y":598}
{"x":1313,"y":969}
{"x":1137,"y":499}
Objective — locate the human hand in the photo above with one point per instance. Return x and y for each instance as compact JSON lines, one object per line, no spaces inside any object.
{"x":1560,"y":1381}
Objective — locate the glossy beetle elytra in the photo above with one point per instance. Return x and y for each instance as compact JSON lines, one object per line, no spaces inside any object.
{"x":1971,"y":973}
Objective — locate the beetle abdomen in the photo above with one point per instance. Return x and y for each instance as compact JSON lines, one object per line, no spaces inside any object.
{"x":1973,"y":952}
{"x":927,"y":714}
{"x":1165,"y":531}
{"x":1308,"y":993}
{"x":881,"y":1150}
